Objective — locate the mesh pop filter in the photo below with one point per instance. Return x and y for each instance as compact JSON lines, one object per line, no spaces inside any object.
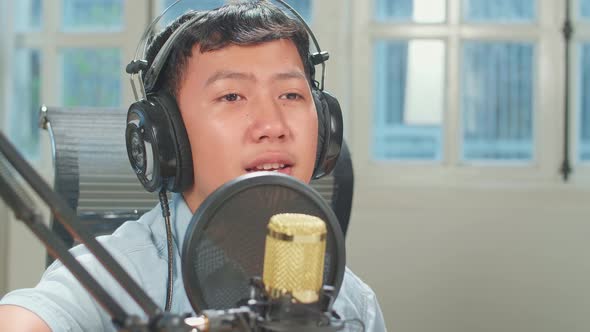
{"x":224,"y":244}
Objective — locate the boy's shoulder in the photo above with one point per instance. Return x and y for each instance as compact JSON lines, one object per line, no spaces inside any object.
{"x":354,"y":289}
{"x":356,"y":300}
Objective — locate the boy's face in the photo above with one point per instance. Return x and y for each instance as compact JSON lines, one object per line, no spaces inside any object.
{"x":247,"y":108}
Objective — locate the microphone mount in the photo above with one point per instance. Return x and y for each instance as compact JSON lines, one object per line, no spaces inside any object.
{"x":260,"y":312}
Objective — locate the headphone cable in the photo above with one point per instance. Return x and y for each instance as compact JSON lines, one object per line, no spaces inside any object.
{"x":166,"y":214}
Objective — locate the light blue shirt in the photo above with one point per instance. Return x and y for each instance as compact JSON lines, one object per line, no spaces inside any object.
{"x":140,"y":247}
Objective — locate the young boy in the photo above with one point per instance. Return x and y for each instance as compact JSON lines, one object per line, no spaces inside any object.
{"x":242,"y":85}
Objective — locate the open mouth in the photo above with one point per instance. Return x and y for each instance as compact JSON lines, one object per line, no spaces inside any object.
{"x":271,"y":167}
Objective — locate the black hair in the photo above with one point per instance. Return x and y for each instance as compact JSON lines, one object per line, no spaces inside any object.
{"x":242,"y":23}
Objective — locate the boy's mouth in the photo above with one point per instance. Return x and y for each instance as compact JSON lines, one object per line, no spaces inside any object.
{"x":271,"y":162}
{"x":271,"y":167}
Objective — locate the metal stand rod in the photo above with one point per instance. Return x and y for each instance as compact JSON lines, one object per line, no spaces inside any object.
{"x":18,"y":202}
{"x":66,"y":217}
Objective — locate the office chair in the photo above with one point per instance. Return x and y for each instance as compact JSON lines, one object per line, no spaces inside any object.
{"x":92,"y":171}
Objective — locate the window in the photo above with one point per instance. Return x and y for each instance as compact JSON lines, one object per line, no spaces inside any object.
{"x":74,"y":60}
{"x":26,"y":78}
{"x":447,"y":91}
{"x":499,"y":11}
{"x":494,"y":111}
{"x":406,"y":124}
{"x":26,"y":74}
{"x":584,"y":102}
{"x":303,"y":7}
{"x":496,"y":100}
{"x":581,"y":73}
{"x":496,"y":86}
{"x":84,"y":15}
{"x":418,"y":11}
{"x":91,"y":76}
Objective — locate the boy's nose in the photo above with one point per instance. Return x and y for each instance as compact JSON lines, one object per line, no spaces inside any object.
{"x":269,"y":123}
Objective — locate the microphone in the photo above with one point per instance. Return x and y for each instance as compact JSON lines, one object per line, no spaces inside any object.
{"x":293,"y":271}
{"x":291,"y":294}
{"x":294,"y":257}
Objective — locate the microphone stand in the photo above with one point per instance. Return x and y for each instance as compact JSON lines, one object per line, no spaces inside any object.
{"x":16,"y":198}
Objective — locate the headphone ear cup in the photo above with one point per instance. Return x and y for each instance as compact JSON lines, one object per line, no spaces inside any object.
{"x":322,"y":129}
{"x":142,"y":145}
{"x":329,"y":132}
{"x":157,"y":144}
{"x":183,"y":174}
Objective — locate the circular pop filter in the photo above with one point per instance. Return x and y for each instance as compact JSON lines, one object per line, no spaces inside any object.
{"x":224,"y":245}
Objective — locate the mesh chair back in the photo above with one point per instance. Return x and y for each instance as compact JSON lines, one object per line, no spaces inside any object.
{"x":93,"y":174}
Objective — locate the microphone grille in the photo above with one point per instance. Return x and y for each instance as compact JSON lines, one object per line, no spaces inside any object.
{"x":294,"y":256}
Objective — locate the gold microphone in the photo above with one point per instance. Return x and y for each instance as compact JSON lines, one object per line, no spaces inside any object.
{"x":294,"y":256}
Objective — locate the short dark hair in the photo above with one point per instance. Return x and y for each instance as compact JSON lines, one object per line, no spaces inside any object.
{"x":241,"y":23}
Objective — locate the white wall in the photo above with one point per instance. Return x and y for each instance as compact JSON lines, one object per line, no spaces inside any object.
{"x":22,"y":255}
{"x":25,"y":256}
{"x":451,"y":260}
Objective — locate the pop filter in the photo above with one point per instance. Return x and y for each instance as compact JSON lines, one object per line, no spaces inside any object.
{"x":224,"y":244}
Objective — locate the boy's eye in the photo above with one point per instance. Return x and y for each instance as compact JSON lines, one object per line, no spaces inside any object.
{"x":291,"y":96}
{"x":230,"y":97}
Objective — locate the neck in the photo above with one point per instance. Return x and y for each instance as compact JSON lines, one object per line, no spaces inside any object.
{"x":193,"y":199}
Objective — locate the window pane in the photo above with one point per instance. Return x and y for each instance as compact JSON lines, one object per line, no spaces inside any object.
{"x":23,"y":120}
{"x":303,"y":7}
{"x":584,"y":129}
{"x":497,"y":101}
{"x":92,"y":15}
{"x":508,"y":11}
{"x":91,"y":77}
{"x":27,"y":15}
{"x":419,"y":11}
{"x":585,"y":9}
{"x":181,"y":8}
{"x":406,"y":125}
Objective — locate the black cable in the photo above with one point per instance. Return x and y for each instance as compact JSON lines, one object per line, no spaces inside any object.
{"x":166,"y":214}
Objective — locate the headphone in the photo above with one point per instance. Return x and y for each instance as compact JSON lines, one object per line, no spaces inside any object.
{"x":157,"y":143}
